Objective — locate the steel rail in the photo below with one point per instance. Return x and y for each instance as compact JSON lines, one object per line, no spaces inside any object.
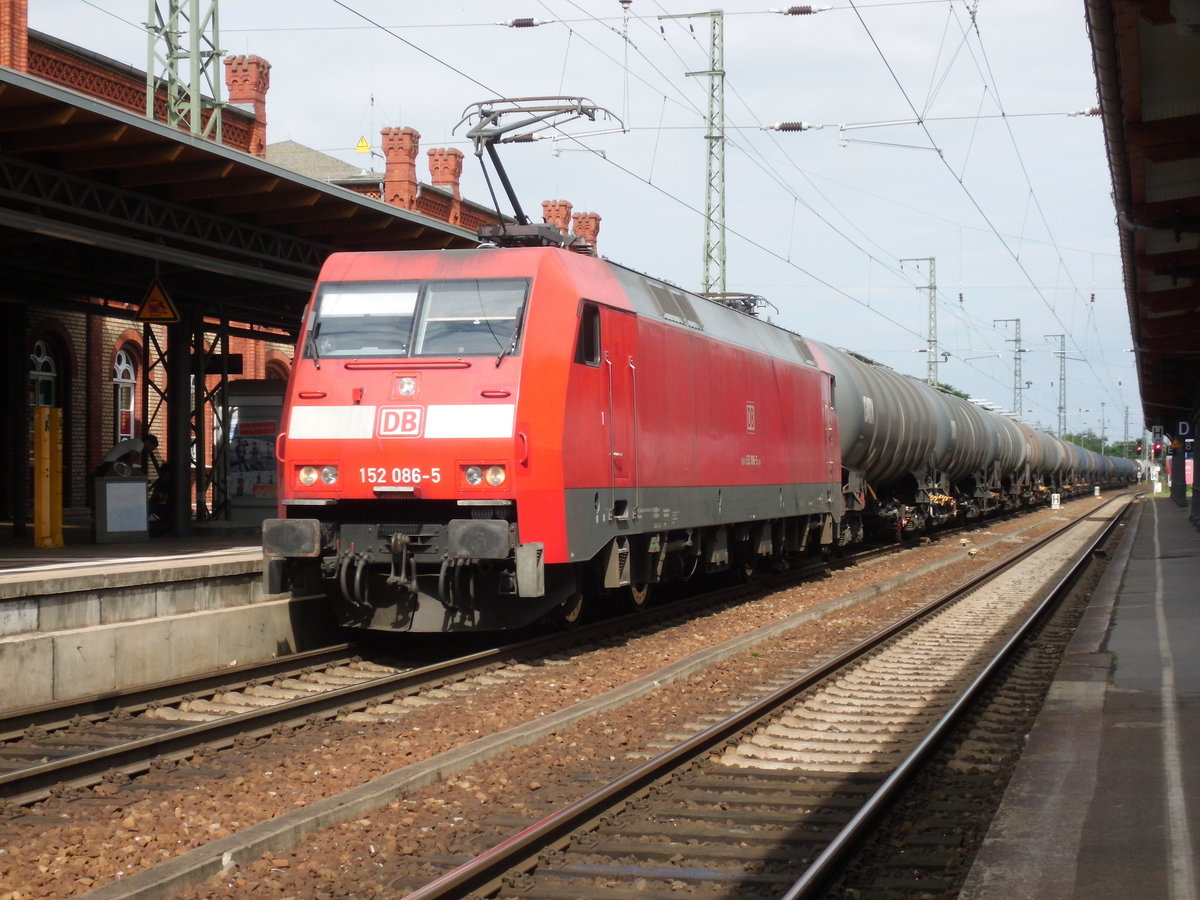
{"x":15,"y":723}
{"x":519,"y":852}
{"x":832,"y":859}
{"x":28,"y":785}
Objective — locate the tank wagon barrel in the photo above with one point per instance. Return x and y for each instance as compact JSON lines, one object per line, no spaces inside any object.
{"x":889,"y":424}
{"x":920,"y":455}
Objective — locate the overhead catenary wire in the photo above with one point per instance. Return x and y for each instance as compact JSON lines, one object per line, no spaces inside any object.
{"x":766,"y":155}
{"x":1086,"y":323}
{"x":630,"y":173}
{"x":742,"y":236}
{"x":970,"y":196}
{"x":1033,"y":195}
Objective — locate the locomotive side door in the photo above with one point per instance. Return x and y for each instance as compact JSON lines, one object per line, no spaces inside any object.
{"x":619,"y":342}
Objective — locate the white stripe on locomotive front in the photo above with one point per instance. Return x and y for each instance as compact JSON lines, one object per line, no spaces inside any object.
{"x":441,"y":421}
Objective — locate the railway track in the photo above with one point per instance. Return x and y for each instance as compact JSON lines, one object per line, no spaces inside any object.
{"x":774,"y":799}
{"x":54,"y":749}
{"x":607,"y":640}
{"x":48,"y":751}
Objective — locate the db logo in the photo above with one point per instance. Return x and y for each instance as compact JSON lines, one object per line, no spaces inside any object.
{"x":400,"y":421}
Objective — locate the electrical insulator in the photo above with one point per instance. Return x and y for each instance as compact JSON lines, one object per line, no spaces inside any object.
{"x":797,"y":11}
{"x":792,"y":126}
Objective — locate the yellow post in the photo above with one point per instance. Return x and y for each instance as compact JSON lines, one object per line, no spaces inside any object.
{"x":56,"y":476}
{"x":47,"y":477}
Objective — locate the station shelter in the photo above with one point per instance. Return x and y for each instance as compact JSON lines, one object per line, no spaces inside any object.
{"x":147,"y":268}
{"x":1148,"y":83}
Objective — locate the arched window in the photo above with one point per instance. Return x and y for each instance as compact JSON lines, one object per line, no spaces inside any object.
{"x":43,"y":375}
{"x":124,"y":395}
{"x":276,"y":370}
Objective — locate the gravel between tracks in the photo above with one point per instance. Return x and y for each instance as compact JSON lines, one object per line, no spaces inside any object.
{"x":65,"y":847}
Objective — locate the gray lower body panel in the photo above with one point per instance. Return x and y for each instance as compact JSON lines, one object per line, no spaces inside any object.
{"x":596,"y":516}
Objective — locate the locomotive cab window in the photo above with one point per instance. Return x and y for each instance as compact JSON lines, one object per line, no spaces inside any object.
{"x":587,"y":343}
{"x":464,"y":317}
{"x":470,"y":318}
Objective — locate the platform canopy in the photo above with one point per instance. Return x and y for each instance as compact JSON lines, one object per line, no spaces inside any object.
{"x":1147,"y":58}
{"x":98,"y":202}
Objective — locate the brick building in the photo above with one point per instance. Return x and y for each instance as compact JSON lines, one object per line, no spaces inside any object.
{"x":99,"y":368}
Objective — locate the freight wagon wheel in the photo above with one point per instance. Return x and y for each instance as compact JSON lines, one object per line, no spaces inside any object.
{"x":637,"y":596}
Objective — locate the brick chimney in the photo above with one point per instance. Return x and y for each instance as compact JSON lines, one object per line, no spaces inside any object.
{"x":247,"y":79}
{"x":587,"y":226}
{"x":557,"y":213}
{"x":445,"y":170}
{"x":14,"y":34}
{"x":400,"y":146}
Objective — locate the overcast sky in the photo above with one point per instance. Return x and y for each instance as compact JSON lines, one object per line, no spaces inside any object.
{"x":1007,"y":191}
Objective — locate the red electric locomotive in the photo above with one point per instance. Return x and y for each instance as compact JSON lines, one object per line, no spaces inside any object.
{"x":479,"y":439}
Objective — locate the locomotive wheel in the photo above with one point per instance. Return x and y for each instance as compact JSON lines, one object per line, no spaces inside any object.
{"x":571,"y":612}
{"x":637,"y":595}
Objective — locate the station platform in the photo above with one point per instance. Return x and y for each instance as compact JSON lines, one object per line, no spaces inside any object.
{"x":1105,"y":802}
{"x":78,"y":545}
{"x":89,"y":619}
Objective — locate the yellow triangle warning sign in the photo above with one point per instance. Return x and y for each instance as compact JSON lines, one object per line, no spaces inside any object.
{"x":362,"y":146}
{"x":157,"y":306}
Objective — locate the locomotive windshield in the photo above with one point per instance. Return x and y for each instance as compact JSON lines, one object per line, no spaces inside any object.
{"x":463,"y":317}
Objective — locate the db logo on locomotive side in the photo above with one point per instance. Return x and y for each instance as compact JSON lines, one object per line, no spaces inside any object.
{"x":399,"y":421}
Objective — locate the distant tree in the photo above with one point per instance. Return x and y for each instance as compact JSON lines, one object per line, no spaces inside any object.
{"x":1088,"y":440}
{"x":1122,"y":448}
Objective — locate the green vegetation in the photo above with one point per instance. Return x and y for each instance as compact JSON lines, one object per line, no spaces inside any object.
{"x":951,"y":390}
{"x":1089,"y":440}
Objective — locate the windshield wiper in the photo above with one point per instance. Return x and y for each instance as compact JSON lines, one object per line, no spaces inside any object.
{"x":512,"y":345}
{"x":310,"y":349}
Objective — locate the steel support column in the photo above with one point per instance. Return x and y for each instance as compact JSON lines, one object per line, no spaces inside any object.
{"x":179,"y":462}
{"x":16,"y":417}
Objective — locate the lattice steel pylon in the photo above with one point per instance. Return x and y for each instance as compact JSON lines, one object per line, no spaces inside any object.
{"x":713,"y":276}
{"x":185,"y":37}
{"x":1017,"y":351}
{"x":931,"y":371}
{"x":1061,"y":353}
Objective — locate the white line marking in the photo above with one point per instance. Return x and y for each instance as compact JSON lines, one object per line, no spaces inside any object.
{"x":1179,"y":840}
{"x":470,"y":421}
{"x":310,"y":422}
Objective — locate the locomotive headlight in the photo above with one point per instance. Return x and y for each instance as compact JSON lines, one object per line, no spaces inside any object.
{"x":495,"y":475}
{"x":406,"y":386}
{"x":310,"y":475}
{"x":473,"y":474}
